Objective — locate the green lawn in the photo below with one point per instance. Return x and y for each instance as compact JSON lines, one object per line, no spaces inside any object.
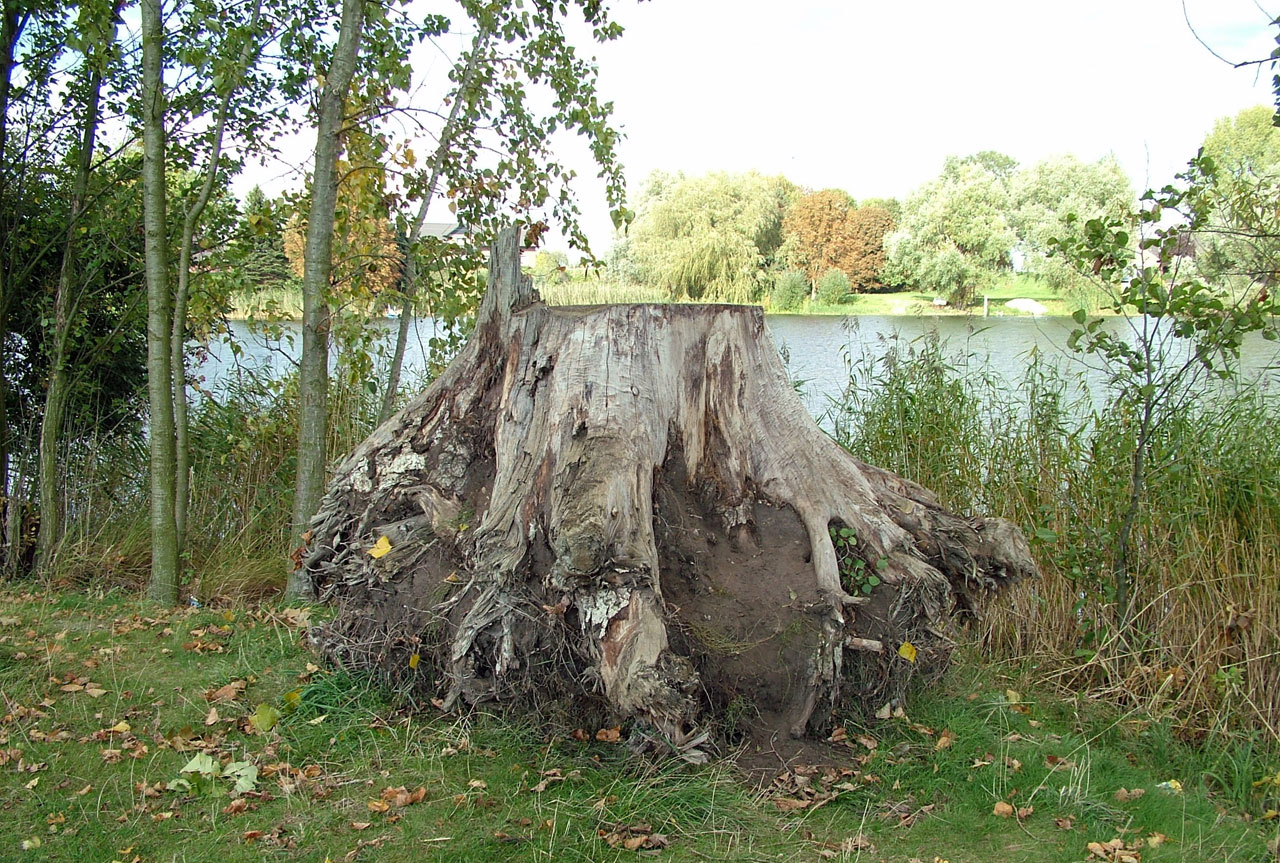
{"x":107,"y":699}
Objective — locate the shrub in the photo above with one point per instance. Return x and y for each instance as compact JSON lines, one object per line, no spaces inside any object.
{"x":789,"y":291}
{"x":833,"y":287}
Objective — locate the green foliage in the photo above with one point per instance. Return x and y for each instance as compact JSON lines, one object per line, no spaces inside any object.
{"x":954,"y":234}
{"x":855,"y":578}
{"x":550,"y":268}
{"x":833,"y":287}
{"x":790,"y":290}
{"x":711,"y":237}
{"x":1181,"y":330}
{"x":1053,"y":199}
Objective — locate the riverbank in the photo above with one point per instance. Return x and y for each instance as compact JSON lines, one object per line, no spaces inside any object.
{"x":1013,"y":296}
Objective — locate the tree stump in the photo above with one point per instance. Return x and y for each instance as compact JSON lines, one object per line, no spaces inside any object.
{"x":627,"y":509}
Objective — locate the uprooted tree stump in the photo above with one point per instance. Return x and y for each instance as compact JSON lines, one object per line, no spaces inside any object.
{"x":627,"y":510}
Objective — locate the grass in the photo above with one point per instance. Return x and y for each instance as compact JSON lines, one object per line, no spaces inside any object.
{"x":106,"y":699}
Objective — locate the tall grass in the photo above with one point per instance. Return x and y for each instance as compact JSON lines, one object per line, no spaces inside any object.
{"x":595,"y":292}
{"x":244,"y":442}
{"x":1204,"y":643}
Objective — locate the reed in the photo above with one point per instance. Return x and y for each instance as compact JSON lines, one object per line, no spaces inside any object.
{"x":1201,"y":649}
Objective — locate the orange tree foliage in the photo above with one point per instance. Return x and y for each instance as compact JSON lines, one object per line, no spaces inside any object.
{"x":827,"y":230}
{"x":868,"y":226}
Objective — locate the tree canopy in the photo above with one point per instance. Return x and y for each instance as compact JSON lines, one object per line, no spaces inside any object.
{"x":711,"y":236}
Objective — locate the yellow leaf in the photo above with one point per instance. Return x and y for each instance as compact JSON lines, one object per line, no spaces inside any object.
{"x":121,"y":727}
{"x":380,"y":548}
{"x":907,"y":651}
{"x":413,"y":661}
{"x":1012,"y":696}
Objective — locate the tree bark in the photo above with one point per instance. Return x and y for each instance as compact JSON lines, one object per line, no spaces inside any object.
{"x":164,"y":535}
{"x":65,"y":303}
{"x":313,"y":369}
{"x":626,"y":509}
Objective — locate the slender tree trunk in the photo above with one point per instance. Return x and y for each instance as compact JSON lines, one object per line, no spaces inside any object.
{"x":12,"y":20}
{"x":164,"y":534}
{"x":464,"y":94}
{"x":313,"y":371}
{"x":178,"y":333}
{"x":64,"y":309}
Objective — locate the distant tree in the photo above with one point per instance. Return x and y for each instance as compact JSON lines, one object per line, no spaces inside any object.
{"x":868,"y":226}
{"x":833,"y":287}
{"x":789,"y":291}
{"x":550,"y":268}
{"x":709,"y":237}
{"x":1238,"y":248}
{"x":1245,"y":143}
{"x":818,"y":232}
{"x":1045,"y":194}
{"x":954,"y":235}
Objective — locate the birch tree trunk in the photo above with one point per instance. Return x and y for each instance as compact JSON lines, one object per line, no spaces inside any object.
{"x":626,"y":511}
{"x":313,"y":367}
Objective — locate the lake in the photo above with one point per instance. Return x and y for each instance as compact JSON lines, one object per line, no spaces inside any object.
{"x":815,"y":347}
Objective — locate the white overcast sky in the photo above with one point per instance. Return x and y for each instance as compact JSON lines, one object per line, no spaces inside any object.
{"x":870,"y":97}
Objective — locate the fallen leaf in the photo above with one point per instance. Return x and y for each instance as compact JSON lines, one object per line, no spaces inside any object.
{"x":1124,"y":795}
{"x":1025,"y":812}
{"x":1002,"y":810}
{"x":264,"y":718}
{"x":212,"y":716}
{"x":121,"y":727}
{"x":609,"y":735}
{"x":413,"y":660}
{"x":379,"y":806}
{"x":907,"y":651}
{"x":381,"y":548}
{"x":361,"y":825}
{"x":945,"y":739}
{"x":1064,"y":823}
{"x":230,"y":692}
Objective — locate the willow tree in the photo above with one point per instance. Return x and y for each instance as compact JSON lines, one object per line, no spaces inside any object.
{"x":627,"y":510}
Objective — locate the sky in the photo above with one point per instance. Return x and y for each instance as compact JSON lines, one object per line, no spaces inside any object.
{"x":871,"y":97}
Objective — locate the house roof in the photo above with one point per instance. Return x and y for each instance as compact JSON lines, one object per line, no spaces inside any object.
{"x":444,"y":230}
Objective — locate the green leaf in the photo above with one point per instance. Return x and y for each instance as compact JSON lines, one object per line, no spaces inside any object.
{"x":264,"y":718}
{"x":245,"y":775}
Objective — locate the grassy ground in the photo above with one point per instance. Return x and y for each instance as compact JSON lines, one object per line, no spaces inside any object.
{"x":106,"y":700}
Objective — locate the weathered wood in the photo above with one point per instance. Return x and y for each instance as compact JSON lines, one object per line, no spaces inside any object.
{"x":628,"y":506}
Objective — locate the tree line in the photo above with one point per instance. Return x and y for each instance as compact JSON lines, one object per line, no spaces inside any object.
{"x":752,"y":238}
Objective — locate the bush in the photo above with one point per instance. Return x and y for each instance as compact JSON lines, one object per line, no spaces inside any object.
{"x":833,"y":287}
{"x":789,"y":291}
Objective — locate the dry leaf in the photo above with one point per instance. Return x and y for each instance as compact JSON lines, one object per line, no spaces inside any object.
{"x":945,"y":739}
{"x":230,"y":692}
{"x":907,"y":651}
{"x":1124,"y":795}
{"x":1025,"y":812}
{"x":609,"y":735}
{"x":381,"y":548}
{"x":1002,"y":810}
